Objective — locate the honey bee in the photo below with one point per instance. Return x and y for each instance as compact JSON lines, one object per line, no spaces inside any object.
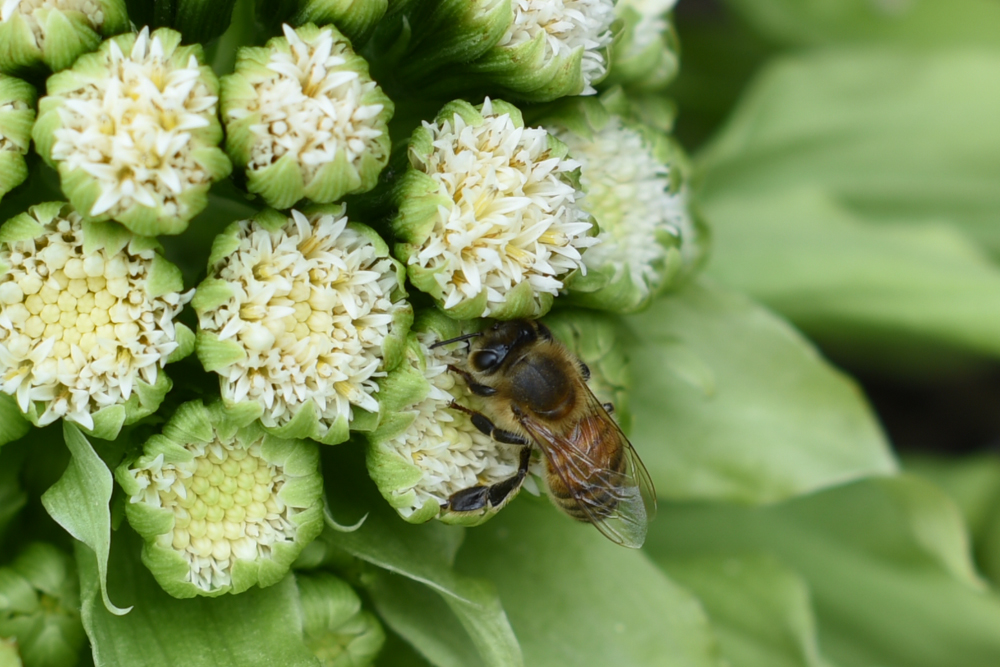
{"x":536,"y":393}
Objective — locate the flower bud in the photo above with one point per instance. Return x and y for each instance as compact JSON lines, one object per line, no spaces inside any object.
{"x":17,"y":115}
{"x":489,"y":220}
{"x":637,"y":193}
{"x":53,"y":33}
{"x":304,"y":119}
{"x":40,"y":609}
{"x":338,"y":631}
{"x":423,"y":450}
{"x":133,"y":131}
{"x":87,"y":315}
{"x":646,"y":54}
{"x":299,"y":315}
{"x":221,"y":504}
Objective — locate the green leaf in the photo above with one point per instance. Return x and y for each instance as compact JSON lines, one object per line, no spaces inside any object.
{"x":893,"y":136}
{"x":80,"y":503}
{"x":893,"y":296}
{"x":730,"y":403}
{"x":12,"y":495}
{"x":424,"y":554}
{"x":924,"y":23}
{"x":13,"y":423}
{"x":574,"y":598}
{"x":973,"y":482}
{"x":259,"y":627}
{"x":423,"y":618}
{"x":886,"y":561}
{"x":760,"y":610}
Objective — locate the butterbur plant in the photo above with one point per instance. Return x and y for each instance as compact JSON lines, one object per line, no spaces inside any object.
{"x":298,"y":299}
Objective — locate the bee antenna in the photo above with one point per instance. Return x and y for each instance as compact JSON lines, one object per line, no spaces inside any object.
{"x":457,"y":339}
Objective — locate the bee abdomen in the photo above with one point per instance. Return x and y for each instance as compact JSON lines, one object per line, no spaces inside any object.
{"x":585,"y":502}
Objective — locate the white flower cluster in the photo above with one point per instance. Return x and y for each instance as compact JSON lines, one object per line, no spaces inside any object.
{"x":226,"y":505}
{"x":35,"y":12}
{"x":79,"y":329}
{"x":311,"y":107}
{"x":514,"y":216}
{"x":628,"y":191}
{"x":131,"y":130}
{"x":568,"y":25}
{"x":452,"y":453}
{"x":311,"y":309}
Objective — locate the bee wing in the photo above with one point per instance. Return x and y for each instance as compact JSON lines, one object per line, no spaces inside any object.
{"x":632,"y":488}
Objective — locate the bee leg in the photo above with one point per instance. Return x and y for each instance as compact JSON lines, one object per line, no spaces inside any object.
{"x":584,"y":370}
{"x":482,"y":422}
{"x":478,"y":497}
{"x":609,"y":408}
{"x":474,"y":387}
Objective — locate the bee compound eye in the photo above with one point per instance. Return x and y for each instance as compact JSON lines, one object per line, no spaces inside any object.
{"x":484,"y":360}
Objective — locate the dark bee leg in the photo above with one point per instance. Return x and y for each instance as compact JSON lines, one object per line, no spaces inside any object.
{"x":477,"y":497}
{"x":584,"y":370}
{"x":609,"y":408}
{"x":474,"y":387}
{"x":482,"y":422}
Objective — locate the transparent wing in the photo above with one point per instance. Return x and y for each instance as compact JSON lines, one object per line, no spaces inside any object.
{"x":618,"y":503}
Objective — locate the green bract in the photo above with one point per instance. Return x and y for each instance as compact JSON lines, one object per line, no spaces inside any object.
{"x":51,"y":34}
{"x":636,"y":191}
{"x":222,"y":504}
{"x":423,"y":451}
{"x":337,"y":630}
{"x":297,"y":316}
{"x":40,"y":609}
{"x":133,"y":131}
{"x":356,"y":19}
{"x":86,"y":319}
{"x":17,"y":114}
{"x":534,"y":50}
{"x":304,"y":119}
{"x":489,"y":220}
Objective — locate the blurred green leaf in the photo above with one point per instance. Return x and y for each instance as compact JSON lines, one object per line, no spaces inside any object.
{"x":760,"y":610}
{"x":894,"y":137}
{"x":893,"y":296}
{"x":973,"y":482}
{"x":80,"y":503}
{"x":922,"y":23}
{"x":424,"y":554}
{"x":886,"y":561}
{"x":730,"y":403}
{"x":574,"y":598}
{"x":259,"y":627}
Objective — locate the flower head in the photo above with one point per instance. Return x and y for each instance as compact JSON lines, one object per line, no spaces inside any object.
{"x":636,"y":194}
{"x":304,"y":118}
{"x":55,"y":32}
{"x":86,"y":319}
{"x":577,"y":31}
{"x":489,"y":213}
{"x":133,"y":131}
{"x":17,"y":114}
{"x":356,"y":19}
{"x":336,"y":628}
{"x":222,"y":504}
{"x":40,"y":607}
{"x":424,"y":450}
{"x":299,"y":316}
